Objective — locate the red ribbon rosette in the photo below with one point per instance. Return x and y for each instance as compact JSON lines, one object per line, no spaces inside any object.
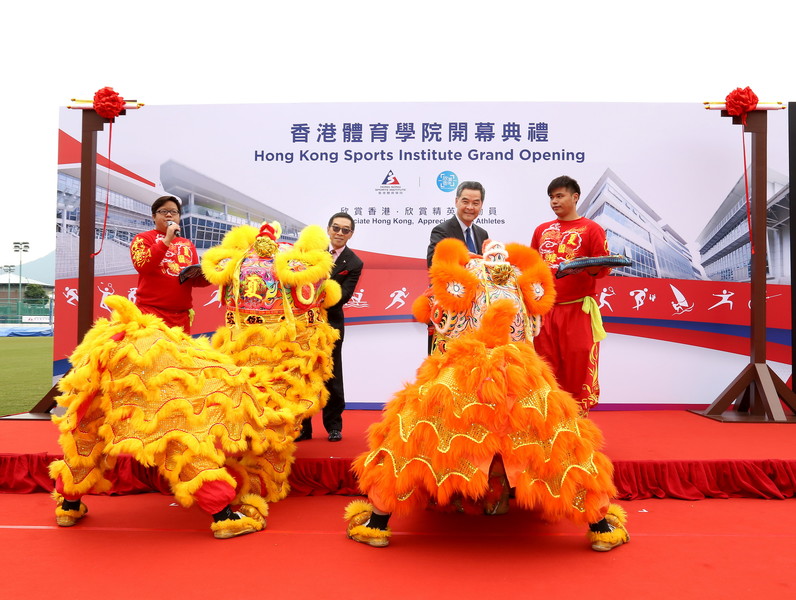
{"x":107,"y":103}
{"x":741,"y":101}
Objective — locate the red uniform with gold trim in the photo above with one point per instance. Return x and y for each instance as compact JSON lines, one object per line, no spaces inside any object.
{"x":567,"y":339}
{"x":159,"y":290}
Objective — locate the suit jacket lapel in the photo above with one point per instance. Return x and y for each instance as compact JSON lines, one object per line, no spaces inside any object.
{"x":480,"y":238}
{"x":456,"y":230}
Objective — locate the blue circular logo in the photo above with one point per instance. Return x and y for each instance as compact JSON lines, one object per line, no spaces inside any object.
{"x":447,"y":181}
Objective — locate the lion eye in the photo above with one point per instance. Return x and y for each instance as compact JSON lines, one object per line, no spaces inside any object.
{"x":455,"y":288}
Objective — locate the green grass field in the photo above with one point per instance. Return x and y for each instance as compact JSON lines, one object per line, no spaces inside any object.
{"x":26,"y":375}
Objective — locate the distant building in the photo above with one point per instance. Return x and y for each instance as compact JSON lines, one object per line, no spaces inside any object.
{"x":724,"y":243}
{"x":14,"y":310}
{"x":10,"y":285}
{"x":638,"y":232}
{"x":210,"y":209}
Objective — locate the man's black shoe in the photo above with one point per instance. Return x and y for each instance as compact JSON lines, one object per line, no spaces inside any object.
{"x":335,"y":435}
{"x":305,"y":435}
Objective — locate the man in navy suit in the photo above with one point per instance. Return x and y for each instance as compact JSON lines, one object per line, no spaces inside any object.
{"x":346,"y":272}
{"x":469,"y":203}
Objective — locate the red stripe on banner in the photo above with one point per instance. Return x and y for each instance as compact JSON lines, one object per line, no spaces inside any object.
{"x":69,"y":153}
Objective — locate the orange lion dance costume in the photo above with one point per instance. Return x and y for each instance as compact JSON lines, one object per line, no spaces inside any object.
{"x":219,"y":428}
{"x":485,"y":412}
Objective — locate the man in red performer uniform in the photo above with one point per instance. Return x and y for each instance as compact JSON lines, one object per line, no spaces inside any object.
{"x":572,"y":330}
{"x":159,"y":255}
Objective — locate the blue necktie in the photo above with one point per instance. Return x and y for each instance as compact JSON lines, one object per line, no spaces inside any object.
{"x":469,"y":241}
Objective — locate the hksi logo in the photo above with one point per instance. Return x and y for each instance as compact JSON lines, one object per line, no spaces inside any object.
{"x":390,"y":179}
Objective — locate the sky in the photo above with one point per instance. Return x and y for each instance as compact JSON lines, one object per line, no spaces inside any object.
{"x":178,"y":52}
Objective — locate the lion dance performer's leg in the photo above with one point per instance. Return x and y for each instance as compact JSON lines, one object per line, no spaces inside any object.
{"x":566,"y":341}
{"x":82,"y":469}
{"x":198,"y":477}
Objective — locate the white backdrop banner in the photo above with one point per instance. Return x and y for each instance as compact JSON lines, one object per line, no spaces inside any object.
{"x":661,"y":178}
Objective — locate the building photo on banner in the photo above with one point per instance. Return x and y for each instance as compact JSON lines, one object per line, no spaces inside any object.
{"x":665,"y":181}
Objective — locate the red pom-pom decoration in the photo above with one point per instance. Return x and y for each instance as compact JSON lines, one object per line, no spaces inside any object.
{"x":741,"y":101}
{"x":107,"y":103}
{"x":267,"y":230}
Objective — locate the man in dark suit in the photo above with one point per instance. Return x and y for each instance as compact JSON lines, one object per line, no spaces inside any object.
{"x":469,"y":203}
{"x":346,"y":272}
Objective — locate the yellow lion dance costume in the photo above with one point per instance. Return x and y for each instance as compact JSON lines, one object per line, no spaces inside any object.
{"x":274,"y":317}
{"x":485,"y":412}
{"x":218,"y":423}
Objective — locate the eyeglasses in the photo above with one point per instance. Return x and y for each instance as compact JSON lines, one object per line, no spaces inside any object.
{"x":167,"y":213}
{"x":338,"y":229}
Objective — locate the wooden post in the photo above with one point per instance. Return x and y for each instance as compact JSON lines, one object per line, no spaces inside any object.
{"x":758,"y":389}
{"x":92,"y":123}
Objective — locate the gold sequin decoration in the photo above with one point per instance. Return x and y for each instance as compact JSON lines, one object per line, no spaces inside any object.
{"x":554,"y":485}
{"x":407,"y":424}
{"x":464,"y":469}
{"x":462,"y":400}
{"x":406,"y":496}
{"x":579,"y":501}
{"x":523,"y":438}
{"x":536,"y":399}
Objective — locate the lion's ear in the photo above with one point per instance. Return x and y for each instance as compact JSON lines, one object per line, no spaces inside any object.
{"x":522,"y":257}
{"x":312,"y":237}
{"x":451,"y":250}
{"x":536,"y":281}
{"x":421,"y":307}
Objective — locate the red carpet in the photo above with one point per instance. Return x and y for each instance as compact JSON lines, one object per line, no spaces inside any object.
{"x":140,"y":546}
{"x":143,"y":545}
{"x":656,"y":454}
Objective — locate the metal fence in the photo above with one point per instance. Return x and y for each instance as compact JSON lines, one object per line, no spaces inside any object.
{"x":26,"y":311}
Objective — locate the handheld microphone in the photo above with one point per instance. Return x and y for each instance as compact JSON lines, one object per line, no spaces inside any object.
{"x":170,"y":223}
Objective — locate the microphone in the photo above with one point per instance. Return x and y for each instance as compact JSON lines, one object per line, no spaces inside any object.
{"x":170,"y":223}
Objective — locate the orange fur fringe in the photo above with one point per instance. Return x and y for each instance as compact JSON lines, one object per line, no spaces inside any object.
{"x":480,"y":399}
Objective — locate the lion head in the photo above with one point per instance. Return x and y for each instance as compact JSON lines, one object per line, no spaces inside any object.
{"x":500,"y":296}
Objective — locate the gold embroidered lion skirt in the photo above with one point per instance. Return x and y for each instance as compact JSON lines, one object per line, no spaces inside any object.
{"x":140,"y":388}
{"x":439,"y":435}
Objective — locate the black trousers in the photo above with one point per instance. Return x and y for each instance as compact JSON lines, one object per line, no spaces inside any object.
{"x":335,"y":405}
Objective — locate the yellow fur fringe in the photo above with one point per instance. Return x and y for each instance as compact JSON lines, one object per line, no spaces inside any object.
{"x":254,"y":506}
{"x":368,"y":533}
{"x":114,"y":405}
{"x":357,"y":513}
{"x":312,"y":237}
{"x":357,"y":507}
{"x":230,"y":528}
{"x":616,"y":517}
